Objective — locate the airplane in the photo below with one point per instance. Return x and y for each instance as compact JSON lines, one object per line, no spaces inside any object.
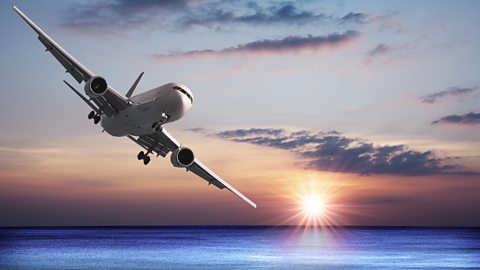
{"x":141,"y":118}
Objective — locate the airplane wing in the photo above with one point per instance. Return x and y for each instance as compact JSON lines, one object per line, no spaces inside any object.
{"x":109,"y":103}
{"x":161,"y":142}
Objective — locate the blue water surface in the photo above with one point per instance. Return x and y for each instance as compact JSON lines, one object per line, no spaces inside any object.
{"x":229,"y":247}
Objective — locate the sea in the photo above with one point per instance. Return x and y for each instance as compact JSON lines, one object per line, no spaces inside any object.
{"x":239,"y":247}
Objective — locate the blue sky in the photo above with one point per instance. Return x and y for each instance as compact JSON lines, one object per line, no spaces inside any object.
{"x":380,"y":73}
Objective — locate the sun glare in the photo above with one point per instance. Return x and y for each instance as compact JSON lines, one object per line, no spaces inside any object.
{"x":315,"y":201}
{"x":313,"y":206}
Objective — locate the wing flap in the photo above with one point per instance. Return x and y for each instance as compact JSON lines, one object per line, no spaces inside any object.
{"x":150,"y":143}
{"x":117,"y":102}
{"x":69,"y":67}
{"x":201,"y":170}
{"x":160,"y":142}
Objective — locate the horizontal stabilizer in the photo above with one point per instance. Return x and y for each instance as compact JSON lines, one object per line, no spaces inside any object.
{"x":94,"y":108}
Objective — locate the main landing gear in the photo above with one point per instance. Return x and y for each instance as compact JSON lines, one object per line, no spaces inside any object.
{"x":94,"y":116}
{"x":145,"y":157}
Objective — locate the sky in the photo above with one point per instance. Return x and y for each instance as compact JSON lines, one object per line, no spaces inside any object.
{"x":372,"y":105}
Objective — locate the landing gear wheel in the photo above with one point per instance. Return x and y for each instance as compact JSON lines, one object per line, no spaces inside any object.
{"x":96,"y":119}
{"x":146,"y":160}
{"x":140,"y":155}
{"x":91,"y":115}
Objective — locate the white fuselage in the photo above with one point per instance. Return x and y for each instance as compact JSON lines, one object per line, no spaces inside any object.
{"x":160,"y":105}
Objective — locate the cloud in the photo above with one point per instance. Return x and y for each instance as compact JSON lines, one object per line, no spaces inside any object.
{"x":380,"y":49}
{"x":378,"y":200}
{"x":216,"y":13}
{"x":288,"y":44}
{"x":463,"y":119}
{"x":332,"y":151}
{"x":450,"y":92}
{"x":354,"y":17}
{"x":121,"y":15}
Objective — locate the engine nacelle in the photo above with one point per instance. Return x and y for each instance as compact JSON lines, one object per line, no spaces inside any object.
{"x":182,"y":157}
{"x":96,"y":86}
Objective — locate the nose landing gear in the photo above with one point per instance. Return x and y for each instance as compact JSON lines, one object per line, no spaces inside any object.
{"x":157,"y":125}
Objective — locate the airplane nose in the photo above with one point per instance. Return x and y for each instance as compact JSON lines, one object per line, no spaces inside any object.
{"x":186,"y":103}
{"x":180,"y":103}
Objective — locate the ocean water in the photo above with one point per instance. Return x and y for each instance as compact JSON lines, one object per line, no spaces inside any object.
{"x":239,"y":248}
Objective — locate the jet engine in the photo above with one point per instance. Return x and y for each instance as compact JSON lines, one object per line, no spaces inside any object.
{"x":96,"y":86}
{"x":182,"y":157}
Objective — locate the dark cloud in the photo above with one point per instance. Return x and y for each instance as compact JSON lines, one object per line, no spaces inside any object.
{"x":174,"y":14}
{"x":331,"y":151}
{"x":252,"y":131}
{"x":288,"y":44}
{"x":120,"y":14}
{"x":354,"y":17}
{"x":463,"y":119}
{"x":283,"y":13}
{"x":450,"y":92}
{"x":379,"y":50}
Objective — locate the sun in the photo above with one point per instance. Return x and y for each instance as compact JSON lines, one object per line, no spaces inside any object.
{"x":313,"y":206}
{"x":315,"y":202}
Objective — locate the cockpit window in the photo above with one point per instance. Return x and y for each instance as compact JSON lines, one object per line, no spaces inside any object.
{"x":184,"y":92}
